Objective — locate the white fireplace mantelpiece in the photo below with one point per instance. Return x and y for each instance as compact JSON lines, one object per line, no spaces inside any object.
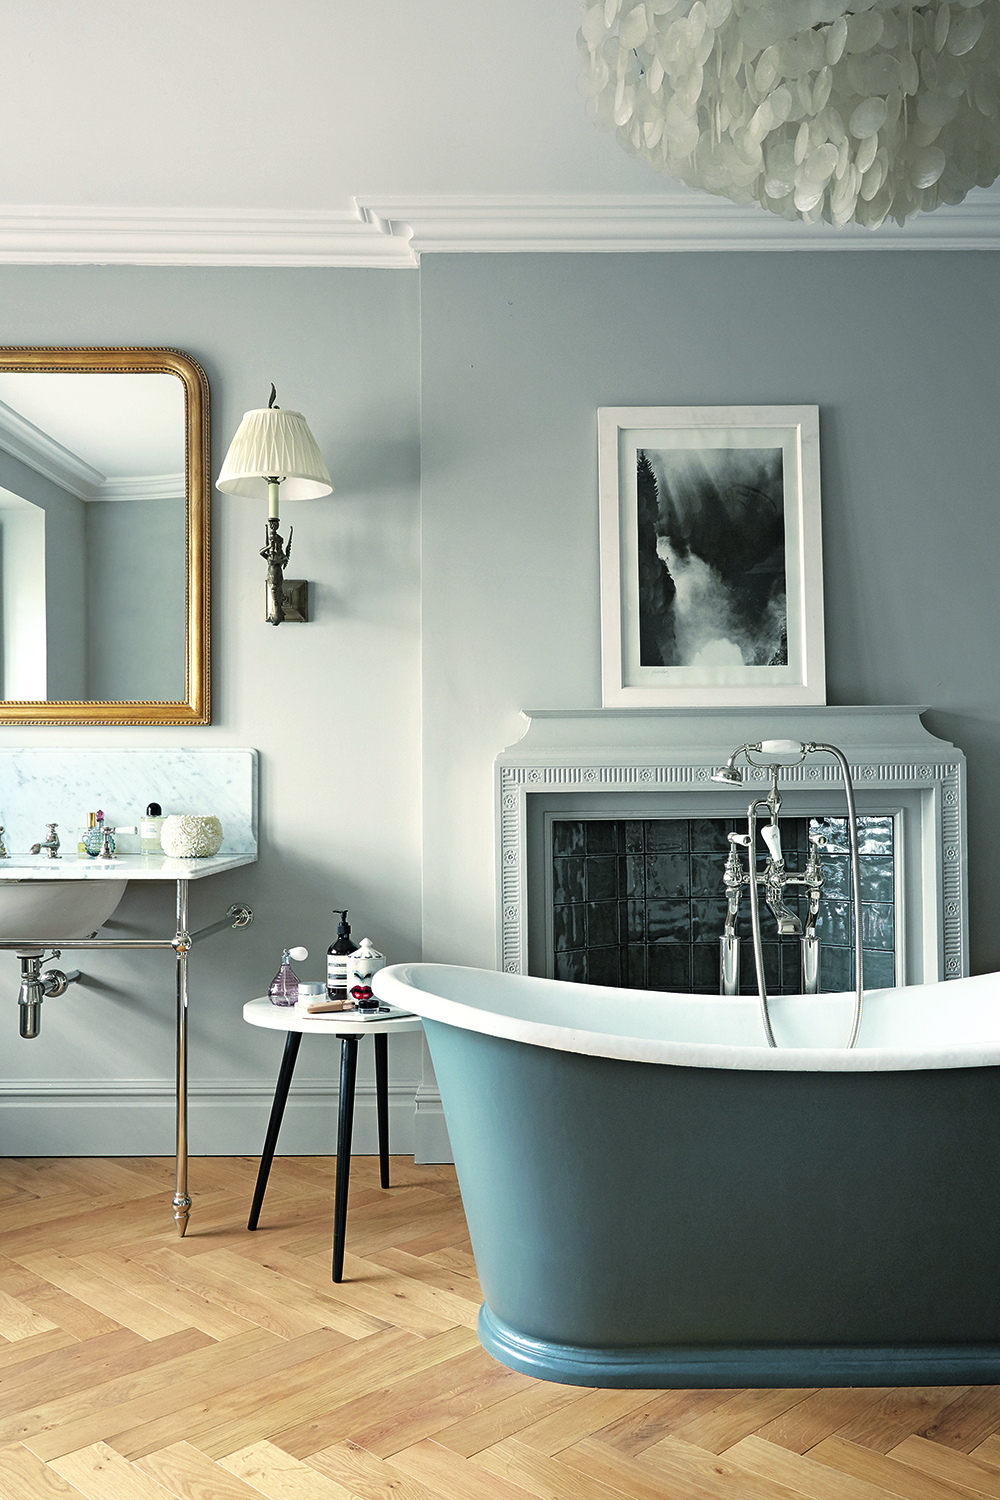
{"x":635,"y":760}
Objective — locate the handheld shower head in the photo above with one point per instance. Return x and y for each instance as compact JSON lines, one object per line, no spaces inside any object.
{"x":728,"y":775}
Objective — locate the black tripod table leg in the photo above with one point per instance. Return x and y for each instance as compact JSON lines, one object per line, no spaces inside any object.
{"x":382,"y":1102}
{"x":285,"y":1072}
{"x":348,"y":1075}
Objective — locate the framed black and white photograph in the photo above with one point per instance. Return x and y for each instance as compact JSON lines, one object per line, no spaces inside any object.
{"x":711,"y":556}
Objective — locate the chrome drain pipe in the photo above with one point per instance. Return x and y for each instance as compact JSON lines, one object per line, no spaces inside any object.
{"x":34,"y":987}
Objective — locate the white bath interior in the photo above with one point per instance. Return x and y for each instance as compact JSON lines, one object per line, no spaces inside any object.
{"x":621,"y":764}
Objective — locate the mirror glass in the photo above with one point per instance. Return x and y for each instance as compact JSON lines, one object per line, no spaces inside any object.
{"x":103,"y":537}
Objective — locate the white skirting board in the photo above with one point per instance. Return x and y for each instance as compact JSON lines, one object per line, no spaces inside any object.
{"x":95,"y":1118}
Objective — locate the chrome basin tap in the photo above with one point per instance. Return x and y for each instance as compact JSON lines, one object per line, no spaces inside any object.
{"x":51,"y":843}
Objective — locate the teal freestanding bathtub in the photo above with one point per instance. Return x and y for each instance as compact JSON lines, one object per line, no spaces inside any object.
{"x":656,"y":1198}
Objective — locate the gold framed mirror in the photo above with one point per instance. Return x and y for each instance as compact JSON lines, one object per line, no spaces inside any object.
{"x":104,"y":537}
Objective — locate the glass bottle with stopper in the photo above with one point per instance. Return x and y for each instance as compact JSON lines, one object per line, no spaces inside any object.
{"x":284,"y":987}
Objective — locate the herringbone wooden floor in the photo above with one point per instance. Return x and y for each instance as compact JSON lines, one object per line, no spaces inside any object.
{"x":227,"y":1366}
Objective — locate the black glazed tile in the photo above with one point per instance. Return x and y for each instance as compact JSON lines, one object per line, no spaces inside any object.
{"x":602,"y":877}
{"x":634,"y":838}
{"x":705,"y":975}
{"x":569,"y":928}
{"x":876,"y":877}
{"x":602,"y":836}
{"x":836,"y":969}
{"x":706,"y":874}
{"x":567,"y":837}
{"x":669,"y":967}
{"x":635,"y":921}
{"x":666,"y":835}
{"x":567,"y":880}
{"x":635,"y":876}
{"x":668,"y":875}
{"x":879,"y":970}
{"x":709,"y":835}
{"x":708,"y":920}
{"x":834,"y":924}
{"x":668,"y":921}
{"x":878,"y":925}
{"x":572,"y":966}
{"x":875,"y":835}
{"x":603,"y":965}
{"x":635,"y":967}
{"x":791,"y":966}
{"x":602,"y":924}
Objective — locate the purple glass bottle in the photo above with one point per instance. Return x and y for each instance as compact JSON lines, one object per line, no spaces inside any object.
{"x":284,"y":987}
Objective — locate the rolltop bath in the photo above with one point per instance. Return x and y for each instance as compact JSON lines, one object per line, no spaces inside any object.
{"x":668,"y":1189}
{"x":658,"y":1198}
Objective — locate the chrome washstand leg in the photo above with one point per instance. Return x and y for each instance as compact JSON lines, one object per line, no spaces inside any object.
{"x":182,"y":947}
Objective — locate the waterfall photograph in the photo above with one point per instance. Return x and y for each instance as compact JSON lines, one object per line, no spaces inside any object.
{"x":711,"y":557}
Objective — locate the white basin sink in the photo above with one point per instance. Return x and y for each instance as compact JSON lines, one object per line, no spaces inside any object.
{"x":55,"y":908}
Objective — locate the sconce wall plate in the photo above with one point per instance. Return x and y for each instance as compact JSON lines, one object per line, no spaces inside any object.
{"x":294,"y":600}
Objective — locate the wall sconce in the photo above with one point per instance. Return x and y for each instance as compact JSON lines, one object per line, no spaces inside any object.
{"x":274,"y":450}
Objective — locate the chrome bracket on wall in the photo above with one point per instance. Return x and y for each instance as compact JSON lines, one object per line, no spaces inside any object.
{"x":181,"y":943}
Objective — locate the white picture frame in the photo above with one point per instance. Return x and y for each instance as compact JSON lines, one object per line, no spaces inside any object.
{"x":721,"y":506}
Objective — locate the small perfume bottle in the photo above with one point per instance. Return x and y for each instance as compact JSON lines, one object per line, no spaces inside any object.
{"x":93,"y":839}
{"x":284,"y":987}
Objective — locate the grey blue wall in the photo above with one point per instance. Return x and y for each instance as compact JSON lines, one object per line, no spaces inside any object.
{"x":135,"y":598}
{"x":479,"y":378}
{"x":898,"y":350}
{"x":331,"y":706}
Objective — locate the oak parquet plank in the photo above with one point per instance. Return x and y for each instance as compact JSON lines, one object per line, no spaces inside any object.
{"x":298,"y":1285}
{"x":366,"y":1477}
{"x":948,"y":1464}
{"x":183,"y":1470}
{"x":900,"y":1411}
{"x":76,"y":1318}
{"x":152,"y":1287}
{"x":241,"y":1397}
{"x":304,"y":1433}
{"x":450,"y":1475}
{"x":988,"y":1451}
{"x":723,"y":1425}
{"x":966,"y":1421}
{"x":657,"y":1417}
{"x":622,"y":1472}
{"x":197,"y":1273}
{"x":543,"y":1475}
{"x":83,"y":1364}
{"x":25,"y":1477}
{"x":417,"y":1267}
{"x":686,"y":1471}
{"x":406,"y":1411}
{"x":819,"y":1416}
{"x":876,"y":1468}
{"x":99,"y":1473}
{"x":450,"y":1234}
{"x":96,"y":1290}
{"x":279,"y":1476}
{"x":317,"y":1276}
{"x":803,"y":1475}
{"x":17,"y":1321}
{"x":26,"y":1350}
{"x":563,"y":1428}
{"x":451,"y":1259}
{"x":507,"y":1418}
{"x":370,"y":1286}
{"x":92,"y":1415}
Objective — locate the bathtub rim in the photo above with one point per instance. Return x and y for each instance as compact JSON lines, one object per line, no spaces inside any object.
{"x":397,"y":985}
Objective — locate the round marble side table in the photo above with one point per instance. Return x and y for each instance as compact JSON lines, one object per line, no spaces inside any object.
{"x":349,"y":1030}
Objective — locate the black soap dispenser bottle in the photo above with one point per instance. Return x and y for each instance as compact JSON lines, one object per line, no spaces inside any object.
{"x":336,"y":960}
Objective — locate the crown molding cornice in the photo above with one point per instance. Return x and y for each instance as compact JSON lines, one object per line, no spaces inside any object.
{"x":391,"y":232}
{"x":674,"y":219}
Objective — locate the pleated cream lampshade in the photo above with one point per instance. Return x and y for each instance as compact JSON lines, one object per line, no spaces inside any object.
{"x":273,"y":442}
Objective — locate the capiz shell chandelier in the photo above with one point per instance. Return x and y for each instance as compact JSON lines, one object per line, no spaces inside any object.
{"x":843,"y":110}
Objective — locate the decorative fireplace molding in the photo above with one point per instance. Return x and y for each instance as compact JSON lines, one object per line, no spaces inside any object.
{"x":644,"y":751}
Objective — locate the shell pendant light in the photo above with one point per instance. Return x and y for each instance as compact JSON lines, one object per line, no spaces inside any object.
{"x":843,"y":110}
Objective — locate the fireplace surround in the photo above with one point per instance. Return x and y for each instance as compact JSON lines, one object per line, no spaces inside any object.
{"x":646,"y":765}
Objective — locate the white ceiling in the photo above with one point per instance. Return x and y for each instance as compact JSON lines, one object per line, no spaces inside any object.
{"x":210,"y":125}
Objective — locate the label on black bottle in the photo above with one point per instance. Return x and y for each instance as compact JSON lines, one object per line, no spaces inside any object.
{"x":336,"y":975}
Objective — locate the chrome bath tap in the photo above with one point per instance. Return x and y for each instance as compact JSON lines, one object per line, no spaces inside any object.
{"x":51,"y":843}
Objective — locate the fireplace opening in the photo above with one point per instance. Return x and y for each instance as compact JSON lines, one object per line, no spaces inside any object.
{"x":640,"y":903}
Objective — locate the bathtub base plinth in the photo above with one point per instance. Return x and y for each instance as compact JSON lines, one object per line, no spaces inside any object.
{"x":689,"y":1368}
